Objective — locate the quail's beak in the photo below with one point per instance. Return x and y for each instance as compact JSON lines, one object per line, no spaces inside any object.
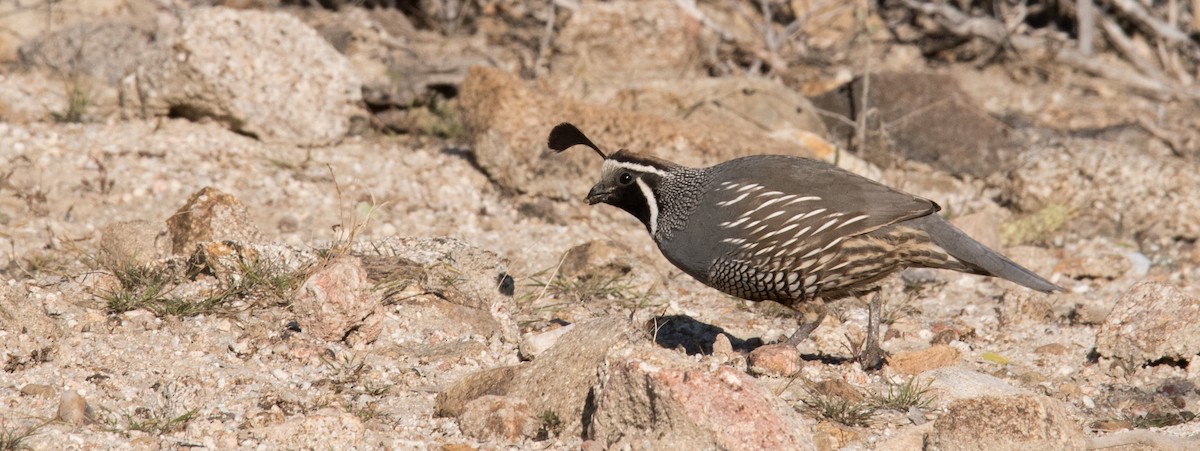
{"x":598,"y":194}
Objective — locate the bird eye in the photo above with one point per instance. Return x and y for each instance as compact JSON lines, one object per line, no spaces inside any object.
{"x":625,"y":178}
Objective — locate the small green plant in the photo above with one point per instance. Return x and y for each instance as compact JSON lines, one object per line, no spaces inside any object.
{"x":14,"y":438}
{"x":1161,"y":419}
{"x":141,"y":287}
{"x":581,"y":289}
{"x":164,"y":417}
{"x":551,"y":425}
{"x":152,"y":288}
{"x":79,"y":98}
{"x":838,"y":409}
{"x":347,"y":373}
{"x":901,"y":397}
{"x":158,"y":422}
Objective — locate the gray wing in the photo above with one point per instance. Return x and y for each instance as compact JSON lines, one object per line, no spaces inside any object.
{"x":780,"y":222}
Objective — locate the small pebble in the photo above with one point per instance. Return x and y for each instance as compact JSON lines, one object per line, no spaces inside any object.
{"x":1088,"y":402}
{"x":39,"y":390}
{"x":1139,"y":264}
{"x":775,"y":360}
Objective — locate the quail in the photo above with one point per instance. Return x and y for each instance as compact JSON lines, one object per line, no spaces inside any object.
{"x":788,"y":229}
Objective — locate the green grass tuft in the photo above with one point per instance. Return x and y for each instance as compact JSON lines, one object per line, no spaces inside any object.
{"x":838,"y":409}
{"x":901,"y":397}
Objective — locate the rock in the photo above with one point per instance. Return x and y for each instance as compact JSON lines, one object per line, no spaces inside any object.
{"x":106,"y":51}
{"x":507,"y":124}
{"x":263,"y":74}
{"x":654,"y":398}
{"x":446,"y":286}
{"x":557,"y":382}
{"x":917,"y":362}
{"x":336,"y":301}
{"x":227,"y":260}
{"x":1151,"y":321}
{"x":722,"y":346}
{"x":828,"y":436}
{"x":73,"y":409}
{"x":560,"y":379}
{"x":535,"y":344}
{"x":24,"y":312}
{"x":402,"y":66}
{"x":838,"y":388}
{"x":779,"y":360}
{"x":611,"y":44}
{"x":906,"y":439}
{"x":1022,"y":305}
{"x":31,"y":96}
{"x":1138,"y":187}
{"x":1015,"y":423}
{"x":39,"y":390}
{"x":499,"y":418}
{"x":955,"y":382}
{"x":1096,"y":258}
{"x":607,"y":260}
{"x":131,"y":244}
{"x":923,"y":117}
{"x":22,"y":21}
{"x":741,"y":103}
{"x":209,"y":215}
{"x":452,"y":401}
{"x":983,"y":225}
{"x":332,"y":425}
{"x":141,"y":320}
{"x":1051,"y":349}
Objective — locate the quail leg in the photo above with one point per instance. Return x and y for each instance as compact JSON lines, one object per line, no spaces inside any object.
{"x":808,"y":324}
{"x":872,"y":355}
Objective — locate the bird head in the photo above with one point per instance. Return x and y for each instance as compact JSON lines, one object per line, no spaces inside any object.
{"x":628,"y":180}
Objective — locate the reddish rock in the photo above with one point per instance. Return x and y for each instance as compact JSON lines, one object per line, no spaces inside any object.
{"x":779,"y":360}
{"x":1015,"y":423}
{"x":209,"y":215}
{"x":337,"y":300}
{"x":917,"y":362}
{"x":653,"y":398}
{"x":73,"y":409}
{"x":498,"y":418}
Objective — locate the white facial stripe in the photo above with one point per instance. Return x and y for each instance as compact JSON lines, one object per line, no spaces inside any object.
{"x":636,"y":167}
{"x":652,"y":203}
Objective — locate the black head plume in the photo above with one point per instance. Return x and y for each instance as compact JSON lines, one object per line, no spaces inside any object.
{"x":565,"y":136}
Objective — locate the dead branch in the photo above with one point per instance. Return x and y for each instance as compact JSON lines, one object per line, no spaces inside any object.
{"x":1134,"y":11}
{"x":962,"y":25}
{"x":1125,"y":45}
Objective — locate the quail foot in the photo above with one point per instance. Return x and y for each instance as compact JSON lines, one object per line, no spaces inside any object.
{"x":788,"y":229}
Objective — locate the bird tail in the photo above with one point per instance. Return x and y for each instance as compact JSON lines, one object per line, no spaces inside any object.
{"x":974,"y":254}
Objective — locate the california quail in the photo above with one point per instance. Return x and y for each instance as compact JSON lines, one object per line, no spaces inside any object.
{"x":787,"y":229}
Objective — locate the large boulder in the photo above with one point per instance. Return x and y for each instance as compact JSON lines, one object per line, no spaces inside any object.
{"x":262,"y":74}
{"x":507,"y":124}
{"x":1152,"y":321}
